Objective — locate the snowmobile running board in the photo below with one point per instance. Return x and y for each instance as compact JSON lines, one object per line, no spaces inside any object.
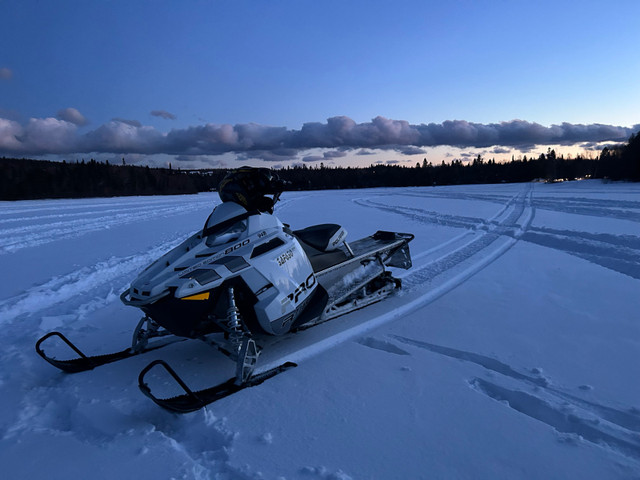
{"x":83,"y":362}
{"x":191,"y":401}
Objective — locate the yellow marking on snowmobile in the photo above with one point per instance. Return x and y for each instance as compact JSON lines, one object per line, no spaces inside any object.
{"x":197,"y":296}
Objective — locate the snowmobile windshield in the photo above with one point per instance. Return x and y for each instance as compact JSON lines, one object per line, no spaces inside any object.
{"x":227,"y":223}
{"x":226,"y":232}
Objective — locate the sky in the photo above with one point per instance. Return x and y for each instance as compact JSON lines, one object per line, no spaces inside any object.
{"x":277,"y":83}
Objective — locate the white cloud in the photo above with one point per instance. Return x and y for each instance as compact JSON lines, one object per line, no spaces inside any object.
{"x":119,"y":137}
{"x":38,"y":136}
{"x":10,"y":131}
{"x":338,"y":135}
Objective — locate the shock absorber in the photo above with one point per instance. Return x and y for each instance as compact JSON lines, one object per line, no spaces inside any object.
{"x":236,"y":332}
{"x":245,"y":351}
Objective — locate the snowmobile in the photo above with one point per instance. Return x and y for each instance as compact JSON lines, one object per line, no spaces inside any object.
{"x":247,"y":276}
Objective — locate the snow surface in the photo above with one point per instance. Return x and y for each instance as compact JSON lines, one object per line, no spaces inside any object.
{"x":512,"y":350}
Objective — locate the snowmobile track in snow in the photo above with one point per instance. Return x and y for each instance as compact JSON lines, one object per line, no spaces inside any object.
{"x":533,"y":395}
{"x":434,"y":273}
{"x":71,"y":221}
{"x":482,"y":243}
{"x":60,"y":407}
{"x":620,"y":253}
{"x":71,"y":290}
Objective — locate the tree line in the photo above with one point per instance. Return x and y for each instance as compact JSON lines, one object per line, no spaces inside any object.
{"x":35,"y":179}
{"x":22,"y":179}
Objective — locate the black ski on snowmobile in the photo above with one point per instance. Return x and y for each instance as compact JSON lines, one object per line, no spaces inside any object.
{"x":82,"y":362}
{"x":191,"y":401}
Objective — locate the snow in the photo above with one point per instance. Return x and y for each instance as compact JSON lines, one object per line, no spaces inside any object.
{"x":510,"y":352}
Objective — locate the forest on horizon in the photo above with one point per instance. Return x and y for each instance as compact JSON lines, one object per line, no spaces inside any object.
{"x":22,"y":179}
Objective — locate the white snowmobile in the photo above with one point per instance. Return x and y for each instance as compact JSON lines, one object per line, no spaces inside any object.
{"x":246,"y":276}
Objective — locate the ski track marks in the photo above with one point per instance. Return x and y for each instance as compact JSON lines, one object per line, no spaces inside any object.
{"x":202,"y":439}
{"x":480,"y":244}
{"x":382,"y":345}
{"x":95,"y":282}
{"x":199,"y":442}
{"x":40,"y":229}
{"x":51,"y":405}
{"x":620,"y":253}
{"x":450,"y":263}
{"x":618,"y":209}
{"x":532,"y":394}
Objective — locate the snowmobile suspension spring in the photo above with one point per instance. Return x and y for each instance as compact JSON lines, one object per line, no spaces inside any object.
{"x":236,"y":332}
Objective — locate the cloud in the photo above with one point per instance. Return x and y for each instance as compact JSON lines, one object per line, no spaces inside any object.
{"x":276,"y":155}
{"x":467,"y":157}
{"x":163,"y":114}
{"x":5,"y":73}
{"x":10,"y":132}
{"x":597,"y":146}
{"x":344,"y":132}
{"x":525,"y":148}
{"x":338,"y":135}
{"x":313,"y":158}
{"x":365,"y":152}
{"x":411,"y":150}
{"x":133,"y":123}
{"x":48,"y":135}
{"x":119,"y":137}
{"x":334,"y":154}
{"x":72,"y":115}
{"x":499,"y":150}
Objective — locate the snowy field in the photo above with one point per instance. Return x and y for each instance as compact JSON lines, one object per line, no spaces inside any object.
{"x":512,"y":351}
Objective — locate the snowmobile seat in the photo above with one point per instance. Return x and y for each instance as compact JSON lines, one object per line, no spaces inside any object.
{"x":321,"y":242}
{"x":325,"y":237}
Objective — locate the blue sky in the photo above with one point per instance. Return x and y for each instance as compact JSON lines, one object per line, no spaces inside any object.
{"x":256,"y":82}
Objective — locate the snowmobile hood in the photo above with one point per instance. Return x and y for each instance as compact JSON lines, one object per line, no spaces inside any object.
{"x":206,"y":258}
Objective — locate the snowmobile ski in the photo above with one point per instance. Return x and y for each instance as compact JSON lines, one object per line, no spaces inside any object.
{"x":191,"y":401}
{"x":84,"y":362}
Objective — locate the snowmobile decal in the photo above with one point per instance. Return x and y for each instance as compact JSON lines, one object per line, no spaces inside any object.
{"x":237,"y":246}
{"x":214,"y":258}
{"x":286,"y":256}
{"x":308,"y":284}
{"x":338,"y":238}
